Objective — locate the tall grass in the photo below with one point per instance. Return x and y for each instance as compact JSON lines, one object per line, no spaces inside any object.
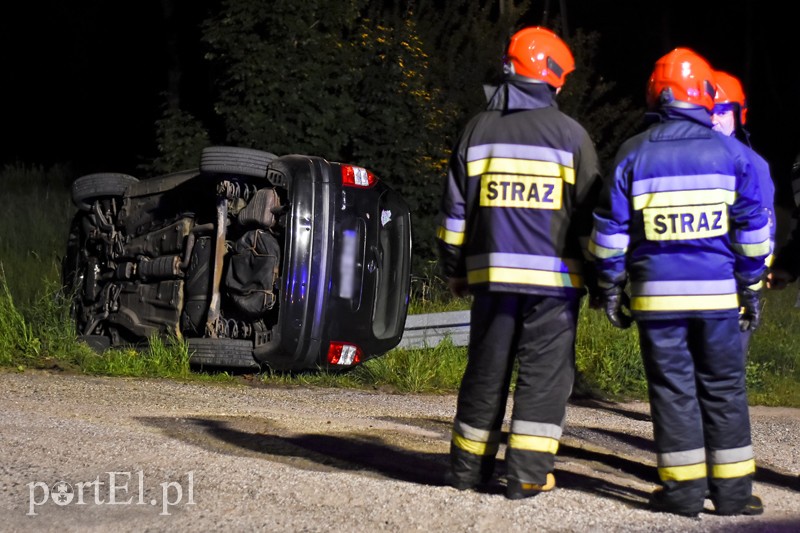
{"x":773,"y":362}
{"x":607,"y":358}
{"x":34,"y":224}
{"x":44,"y":337}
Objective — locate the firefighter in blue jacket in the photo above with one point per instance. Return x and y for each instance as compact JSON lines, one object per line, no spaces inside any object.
{"x":729,"y":117}
{"x":680,"y":218}
{"x":517,"y":204}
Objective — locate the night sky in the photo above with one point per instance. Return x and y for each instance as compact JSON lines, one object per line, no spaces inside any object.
{"x":82,"y":80}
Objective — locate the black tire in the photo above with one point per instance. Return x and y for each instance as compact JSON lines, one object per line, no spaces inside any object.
{"x":235,"y":160}
{"x":98,"y":343}
{"x":101,"y":185}
{"x":227,"y":353}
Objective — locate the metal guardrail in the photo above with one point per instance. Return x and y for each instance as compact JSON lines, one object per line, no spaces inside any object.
{"x":428,"y":330}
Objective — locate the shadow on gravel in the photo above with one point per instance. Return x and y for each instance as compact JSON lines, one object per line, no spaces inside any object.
{"x":764,"y":473}
{"x":368,"y":453}
{"x":609,"y":459}
{"x":596,"y":435}
{"x":595,"y":485}
{"x":354,"y":452}
{"x":611,"y":407}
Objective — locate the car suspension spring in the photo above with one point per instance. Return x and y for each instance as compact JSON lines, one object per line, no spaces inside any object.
{"x":232,"y":189}
{"x":233,"y":329}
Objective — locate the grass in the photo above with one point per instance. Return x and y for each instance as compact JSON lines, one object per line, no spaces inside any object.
{"x":773,"y":363}
{"x":36,"y":330}
{"x":34,"y":224}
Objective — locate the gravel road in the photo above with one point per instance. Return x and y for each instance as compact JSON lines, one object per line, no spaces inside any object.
{"x":82,"y":453}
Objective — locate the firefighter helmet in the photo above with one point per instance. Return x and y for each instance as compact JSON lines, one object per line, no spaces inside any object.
{"x":539,"y":54}
{"x":730,"y":92}
{"x":681,"y":77}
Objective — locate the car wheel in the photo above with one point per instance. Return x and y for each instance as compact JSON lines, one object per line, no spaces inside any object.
{"x":98,"y":343}
{"x":235,"y":160}
{"x":104,"y":184}
{"x":227,"y":353}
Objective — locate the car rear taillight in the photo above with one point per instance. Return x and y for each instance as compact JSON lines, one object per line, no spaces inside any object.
{"x":357,"y":177}
{"x":342,"y":353}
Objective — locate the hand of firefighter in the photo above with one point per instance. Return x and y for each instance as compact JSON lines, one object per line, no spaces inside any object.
{"x":779,"y":279}
{"x":615,"y":300}
{"x":749,"y":309}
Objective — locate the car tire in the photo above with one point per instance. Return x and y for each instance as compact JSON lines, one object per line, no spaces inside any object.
{"x":235,"y":160}
{"x":98,"y":343}
{"x":103,"y":184}
{"x":225,"y":353}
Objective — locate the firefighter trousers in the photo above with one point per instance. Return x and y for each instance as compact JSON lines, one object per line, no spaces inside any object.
{"x":538,"y":332}
{"x":701,"y":423}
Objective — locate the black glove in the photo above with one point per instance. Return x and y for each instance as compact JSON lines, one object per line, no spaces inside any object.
{"x":750,"y":312}
{"x":615,"y":299}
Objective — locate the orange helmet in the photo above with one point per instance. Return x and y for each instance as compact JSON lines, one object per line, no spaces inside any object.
{"x":730,"y":92}
{"x":683,"y":76}
{"x":539,"y":54}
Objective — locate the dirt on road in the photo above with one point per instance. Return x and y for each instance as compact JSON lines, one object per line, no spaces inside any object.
{"x":80,"y":453}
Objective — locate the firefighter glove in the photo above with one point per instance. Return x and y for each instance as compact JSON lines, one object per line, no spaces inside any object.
{"x":750,"y":309}
{"x":615,"y":300}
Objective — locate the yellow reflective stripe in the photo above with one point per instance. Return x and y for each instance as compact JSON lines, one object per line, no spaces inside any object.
{"x":602,"y":252}
{"x":731,"y":470}
{"x":473,"y":446}
{"x":528,"y":167}
{"x":522,"y":276}
{"x":456,"y":238}
{"x":756,"y":286}
{"x":683,"y":198}
{"x":682,"y":473}
{"x":533,"y":443}
{"x":752,"y":250}
{"x":684,"y":303}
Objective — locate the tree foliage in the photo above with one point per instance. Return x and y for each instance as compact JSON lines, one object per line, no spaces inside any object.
{"x":288,"y":70}
{"x":386,"y":85}
{"x":180,"y":139}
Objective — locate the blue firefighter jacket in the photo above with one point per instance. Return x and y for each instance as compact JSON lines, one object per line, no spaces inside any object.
{"x":681,"y":216}
{"x":766,"y":189}
{"x":522,"y":184}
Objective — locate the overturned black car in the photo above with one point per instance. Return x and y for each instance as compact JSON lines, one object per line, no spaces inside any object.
{"x":291,"y":263}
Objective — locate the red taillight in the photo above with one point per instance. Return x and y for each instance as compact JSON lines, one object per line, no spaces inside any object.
{"x":342,"y":353}
{"x":357,"y":177}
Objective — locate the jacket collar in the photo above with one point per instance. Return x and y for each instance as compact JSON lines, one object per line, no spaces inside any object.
{"x":514,"y":95}
{"x":694,"y":113}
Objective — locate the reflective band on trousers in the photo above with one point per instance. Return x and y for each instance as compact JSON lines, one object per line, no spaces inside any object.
{"x":732,"y":470}
{"x":537,"y":429}
{"x":473,"y":446}
{"x":682,"y":473}
{"x":683,"y":465}
{"x":475,"y":441}
{"x":732,"y":463}
{"x":533,"y":443}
